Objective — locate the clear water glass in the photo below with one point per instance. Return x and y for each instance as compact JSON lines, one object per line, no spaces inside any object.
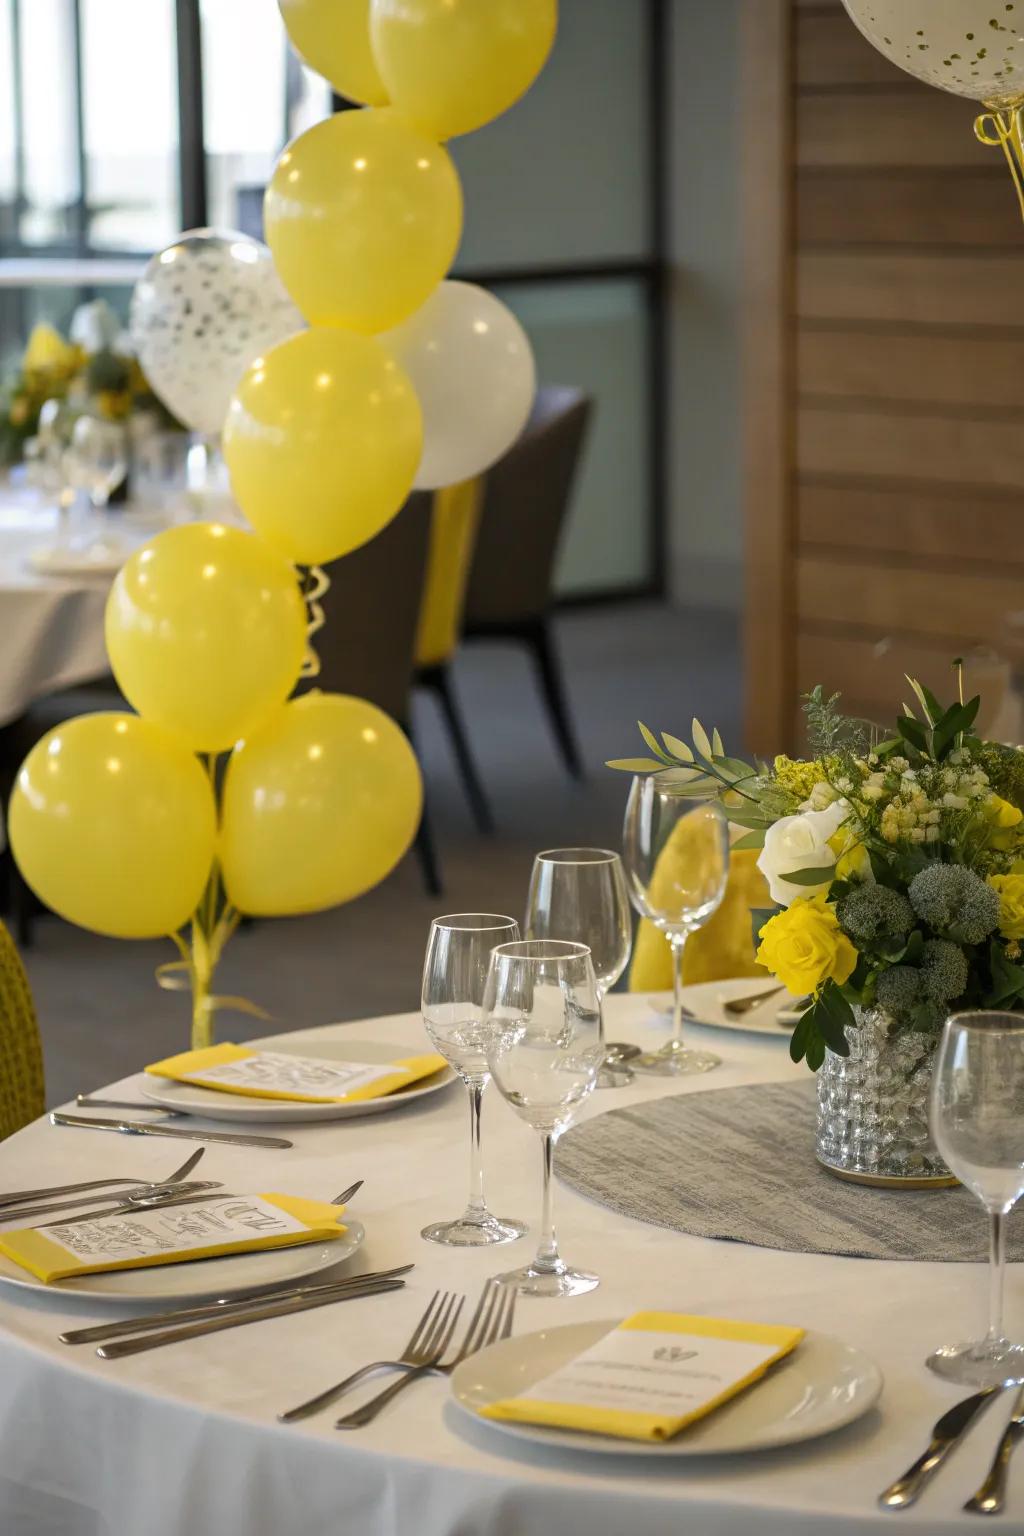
{"x":454,"y":979}
{"x":96,"y":458}
{"x":977,"y":1118}
{"x":543,"y":1024}
{"x":676,"y":855}
{"x":580,"y":894}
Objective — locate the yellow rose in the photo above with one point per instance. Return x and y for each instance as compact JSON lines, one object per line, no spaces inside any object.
{"x":804,"y":946}
{"x":1005,"y":821}
{"x":1010,"y":890}
{"x":47,"y":350}
{"x":852,"y":859}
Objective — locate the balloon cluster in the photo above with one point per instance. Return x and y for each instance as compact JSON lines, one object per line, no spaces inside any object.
{"x":342,"y":371}
{"x":961,"y":47}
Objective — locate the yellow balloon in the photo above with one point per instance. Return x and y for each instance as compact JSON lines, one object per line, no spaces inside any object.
{"x":113,"y":825}
{"x":318,"y":806}
{"x":363,"y":215}
{"x":452,"y":65}
{"x":333,"y":36}
{"x":322,"y":440}
{"x":206,"y":630}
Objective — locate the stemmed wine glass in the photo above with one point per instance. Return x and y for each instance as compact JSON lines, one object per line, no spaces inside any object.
{"x":454,"y":977}
{"x":543,"y":1031}
{"x":977,"y":1117}
{"x":676,"y":854}
{"x":580,"y":894}
{"x":96,"y":459}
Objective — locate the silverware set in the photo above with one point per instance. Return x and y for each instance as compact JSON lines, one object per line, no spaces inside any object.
{"x":424,"y":1353}
{"x":26,"y":1202}
{"x":948,"y":1433}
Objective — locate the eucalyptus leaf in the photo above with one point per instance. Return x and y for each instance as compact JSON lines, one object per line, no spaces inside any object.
{"x":635,"y":764}
{"x":748,"y":840}
{"x":700,"y":740}
{"x":820,"y":876}
{"x":652,"y":741}
{"x":717,"y":744}
{"x":677,"y":748}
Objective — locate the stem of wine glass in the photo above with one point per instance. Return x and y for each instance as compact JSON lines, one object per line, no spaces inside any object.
{"x":996,"y":1269}
{"x":600,"y":1016}
{"x":547,"y":1258}
{"x":477,"y":1208}
{"x":678,"y":943}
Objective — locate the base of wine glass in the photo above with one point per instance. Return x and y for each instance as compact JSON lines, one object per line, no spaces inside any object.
{"x":675,"y":1060}
{"x":472,"y":1231}
{"x":559,"y":1280}
{"x":614,"y":1073}
{"x":987,"y":1363}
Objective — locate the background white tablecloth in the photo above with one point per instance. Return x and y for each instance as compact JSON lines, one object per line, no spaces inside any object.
{"x":182,"y":1441}
{"x":51,"y":627}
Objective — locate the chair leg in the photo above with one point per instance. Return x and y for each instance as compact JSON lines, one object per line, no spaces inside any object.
{"x":540,"y":641}
{"x":427,"y":855}
{"x":439,"y":680}
{"x":22,"y":909}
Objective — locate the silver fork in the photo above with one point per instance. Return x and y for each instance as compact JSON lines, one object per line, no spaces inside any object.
{"x":410,"y":1357}
{"x":491,"y":1321}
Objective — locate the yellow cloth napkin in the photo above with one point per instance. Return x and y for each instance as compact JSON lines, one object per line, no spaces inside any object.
{"x":723,"y":948}
{"x":171,"y":1235}
{"x":215,"y":1068}
{"x":651,"y":1376}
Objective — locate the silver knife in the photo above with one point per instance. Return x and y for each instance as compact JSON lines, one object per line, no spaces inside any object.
{"x":147,"y":1128}
{"x":946,"y":1436}
{"x":343,"y":1291}
{"x":96,"y":1333}
{"x":991,"y":1496}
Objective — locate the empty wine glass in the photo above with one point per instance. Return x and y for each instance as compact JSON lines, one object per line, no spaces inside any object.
{"x":676,"y":854}
{"x":580,"y":894}
{"x":46,"y":460}
{"x":96,"y":458}
{"x":977,"y":1118}
{"x":454,"y":978}
{"x":543,"y":1031}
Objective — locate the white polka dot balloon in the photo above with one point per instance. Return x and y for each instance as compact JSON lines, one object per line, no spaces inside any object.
{"x":202,"y":311}
{"x":973,"y":48}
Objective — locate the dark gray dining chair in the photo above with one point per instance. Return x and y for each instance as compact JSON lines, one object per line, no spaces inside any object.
{"x":526,"y":498}
{"x":368,"y":643}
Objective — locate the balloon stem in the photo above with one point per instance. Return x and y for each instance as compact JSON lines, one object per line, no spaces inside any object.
{"x":1004,"y":128}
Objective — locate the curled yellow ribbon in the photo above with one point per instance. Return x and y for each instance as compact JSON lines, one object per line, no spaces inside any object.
{"x":1003,"y":129}
{"x":319,"y":581}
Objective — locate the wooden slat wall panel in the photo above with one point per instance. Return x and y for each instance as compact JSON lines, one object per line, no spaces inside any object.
{"x":919,"y":128}
{"x":912,"y":289}
{"x":824,"y":56}
{"x":932,"y":369}
{"x":905,"y":408}
{"x":983,"y":452}
{"x":955,"y":606}
{"x":916,"y":208}
{"x":956,"y":528}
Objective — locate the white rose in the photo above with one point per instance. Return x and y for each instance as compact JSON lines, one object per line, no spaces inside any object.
{"x":800,"y":842}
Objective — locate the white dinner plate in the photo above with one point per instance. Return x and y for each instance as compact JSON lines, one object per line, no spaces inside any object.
{"x":104,"y":557}
{"x":214,"y":1105}
{"x":821,"y":1386}
{"x":233,"y":1274}
{"x":705,"y":999}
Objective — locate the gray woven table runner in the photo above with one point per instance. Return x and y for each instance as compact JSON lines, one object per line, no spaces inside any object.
{"x":739,"y":1163}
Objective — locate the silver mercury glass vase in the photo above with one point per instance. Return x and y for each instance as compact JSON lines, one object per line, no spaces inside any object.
{"x":873,"y":1107}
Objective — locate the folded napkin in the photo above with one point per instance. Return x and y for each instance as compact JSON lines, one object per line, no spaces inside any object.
{"x":171,"y":1235}
{"x":277,"y":1075}
{"x":723,"y":948}
{"x":651,"y":1376}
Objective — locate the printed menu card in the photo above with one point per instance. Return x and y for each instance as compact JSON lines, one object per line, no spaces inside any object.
{"x":651,"y":1376}
{"x":170,"y":1234}
{"x":279,"y":1075}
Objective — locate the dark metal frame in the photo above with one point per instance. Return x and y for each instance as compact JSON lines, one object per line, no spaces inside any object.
{"x":651,"y":271}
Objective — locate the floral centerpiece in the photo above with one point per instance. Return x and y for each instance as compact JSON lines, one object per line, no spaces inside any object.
{"x":94,"y":367}
{"x":896,"y":866}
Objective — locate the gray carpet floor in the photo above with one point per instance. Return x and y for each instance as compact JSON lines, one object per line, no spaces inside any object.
{"x":101,"y":1013}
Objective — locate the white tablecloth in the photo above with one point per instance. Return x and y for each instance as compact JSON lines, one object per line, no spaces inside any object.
{"x":182,"y":1441}
{"x":51,"y":627}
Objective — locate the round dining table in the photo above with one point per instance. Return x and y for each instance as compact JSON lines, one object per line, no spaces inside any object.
{"x":184,"y":1440}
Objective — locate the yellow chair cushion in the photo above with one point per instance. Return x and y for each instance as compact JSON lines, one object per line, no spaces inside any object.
{"x":724,"y":947}
{"x":455,"y":515}
{"x":22,"y":1095}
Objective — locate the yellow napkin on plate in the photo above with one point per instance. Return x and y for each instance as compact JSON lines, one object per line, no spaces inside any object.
{"x":171,"y":1235}
{"x":280,"y":1075}
{"x":651,"y":1376}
